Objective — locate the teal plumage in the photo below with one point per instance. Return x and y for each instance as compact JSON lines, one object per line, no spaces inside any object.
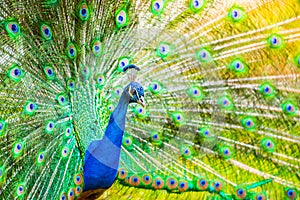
{"x":219,"y":78}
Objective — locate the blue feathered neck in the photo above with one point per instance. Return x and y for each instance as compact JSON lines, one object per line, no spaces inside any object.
{"x":102,"y":156}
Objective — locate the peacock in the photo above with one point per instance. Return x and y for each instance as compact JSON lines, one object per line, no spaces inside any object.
{"x":150,"y":99}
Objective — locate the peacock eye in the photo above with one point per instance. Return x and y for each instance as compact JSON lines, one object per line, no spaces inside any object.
{"x":205,"y":132}
{"x":46,"y":32}
{"x":63,"y":196}
{"x":197,"y":5}
{"x":49,"y":72}
{"x":157,"y":7}
{"x":83,"y":11}
{"x":163,"y":50}
{"x":49,"y":127}
{"x":123,"y":62}
{"x":20,"y":190}
{"x":12,"y":28}
{"x":241,"y":193}
{"x":71,"y":193}
{"x":236,"y":14}
{"x":122,"y":18}
{"x":61,"y":98}
{"x":183,"y":186}
{"x":15,"y":73}
{"x":2,"y":126}
{"x":248,"y":123}
{"x":225,"y":152}
{"x":30,"y":107}
{"x":71,"y":51}
{"x":78,"y":179}
{"x":202,"y":184}
{"x":268,"y":145}
{"x":275,"y":41}
{"x":147,"y":179}
{"x":40,"y":158}
{"x":238,"y":66}
{"x":297,"y":60}
{"x":97,"y":47}
{"x":289,"y":108}
{"x":203,"y":55}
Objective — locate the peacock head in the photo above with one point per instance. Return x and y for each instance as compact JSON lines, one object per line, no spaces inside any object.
{"x":136,"y":93}
{"x":134,"y":89}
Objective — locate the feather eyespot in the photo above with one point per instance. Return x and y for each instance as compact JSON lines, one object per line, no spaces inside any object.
{"x":20,"y":190}
{"x":195,"y":93}
{"x":128,"y":142}
{"x":83,"y":11}
{"x":291,"y":193}
{"x":225,"y":152}
{"x":186,"y":152}
{"x":61,"y":98}
{"x":289,"y":108}
{"x":177,"y":118}
{"x":240,"y":193}
{"x":163,"y":50}
{"x":78,"y":179}
{"x":122,"y":18}
{"x":49,"y":72}
{"x":71,"y":194}
{"x":65,"y":152}
{"x":183,"y":186}
{"x":172,"y":183}
{"x":225,"y":102}
{"x":147,"y":179}
{"x":197,"y":5}
{"x":122,"y":173}
{"x":63,"y":196}
{"x":275,"y":41}
{"x":267,"y":90}
{"x":18,"y":149}
{"x":205,"y":132}
{"x":217,"y":185}
{"x":134,"y":180}
{"x":260,"y":197}
{"x":203,"y":55}
{"x":158,"y":183}
{"x":248,"y":123}
{"x":12,"y":28}
{"x":46,"y":32}
{"x":78,"y":190}
{"x":202,"y":184}
{"x":71,"y":51}
{"x":70,"y":84}
{"x":238,"y":66}
{"x":40,"y":158}
{"x":118,"y":91}
{"x":268,"y":145}
{"x":123,"y":61}
{"x":236,"y":14}
{"x":49,"y":127}
{"x":97,"y":47}
{"x":157,"y":7}
{"x":68,"y":132}
{"x":2,"y":126}
{"x":15,"y":73}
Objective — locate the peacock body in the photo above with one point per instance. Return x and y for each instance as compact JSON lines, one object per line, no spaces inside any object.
{"x":220,"y":80}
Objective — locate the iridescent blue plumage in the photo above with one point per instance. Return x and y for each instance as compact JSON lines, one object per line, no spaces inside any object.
{"x":102,"y":156}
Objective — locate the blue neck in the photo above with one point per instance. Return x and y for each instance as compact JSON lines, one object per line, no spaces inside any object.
{"x":102,"y":156}
{"x":117,"y":118}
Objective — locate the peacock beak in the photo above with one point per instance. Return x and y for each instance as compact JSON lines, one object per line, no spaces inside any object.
{"x":141,"y":101}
